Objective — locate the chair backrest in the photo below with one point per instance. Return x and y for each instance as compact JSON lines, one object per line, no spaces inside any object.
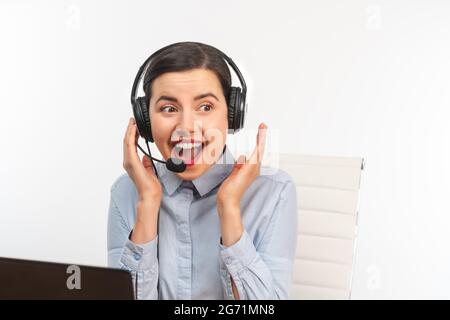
{"x":328,"y":196}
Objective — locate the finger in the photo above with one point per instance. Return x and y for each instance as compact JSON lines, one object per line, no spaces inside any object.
{"x":129,"y":141}
{"x":240,"y":161}
{"x":146,"y":162}
{"x":238,"y":164}
{"x":258,"y":153}
{"x":136,"y":134}
{"x":133,"y":136}
{"x":127,"y":131}
{"x":262,"y":141}
{"x":148,"y":165}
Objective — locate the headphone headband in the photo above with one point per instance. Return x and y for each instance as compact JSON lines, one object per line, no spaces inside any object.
{"x":145,"y":65}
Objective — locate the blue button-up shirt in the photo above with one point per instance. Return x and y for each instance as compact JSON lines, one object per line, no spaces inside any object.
{"x":187,"y":260}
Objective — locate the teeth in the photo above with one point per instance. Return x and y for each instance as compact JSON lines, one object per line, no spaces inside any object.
{"x":182,"y":145}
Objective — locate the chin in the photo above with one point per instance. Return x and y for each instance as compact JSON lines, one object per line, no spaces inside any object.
{"x":192,"y":172}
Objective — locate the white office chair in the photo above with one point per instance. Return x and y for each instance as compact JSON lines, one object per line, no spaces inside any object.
{"x":328,"y":194}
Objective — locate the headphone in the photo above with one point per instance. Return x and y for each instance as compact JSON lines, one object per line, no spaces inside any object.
{"x":236,"y":103}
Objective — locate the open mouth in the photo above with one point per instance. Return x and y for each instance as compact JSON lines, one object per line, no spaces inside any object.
{"x":189,"y":152}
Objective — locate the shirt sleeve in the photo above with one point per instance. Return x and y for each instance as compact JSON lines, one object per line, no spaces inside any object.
{"x":139,"y":259}
{"x":264,"y":273}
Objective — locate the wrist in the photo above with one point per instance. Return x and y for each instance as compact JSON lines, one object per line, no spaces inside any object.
{"x":228,"y":205}
{"x":149,"y":198}
{"x":230,"y":221}
{"x":145,"y":227}
{"x":230,"y":224}
{"x":231,"y":231}
{"x":146,"y":212}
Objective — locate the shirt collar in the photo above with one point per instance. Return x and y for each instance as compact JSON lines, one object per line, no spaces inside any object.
{"x":207,"y":181}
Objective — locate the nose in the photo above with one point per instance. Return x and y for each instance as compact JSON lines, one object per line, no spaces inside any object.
{"x":188,"y":124}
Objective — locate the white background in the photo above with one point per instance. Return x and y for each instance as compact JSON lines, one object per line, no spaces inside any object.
{"x":344,"y":78}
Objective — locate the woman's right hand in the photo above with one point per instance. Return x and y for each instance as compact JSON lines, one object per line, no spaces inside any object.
{"x":141,"y":172}
{"x":147,"y":184}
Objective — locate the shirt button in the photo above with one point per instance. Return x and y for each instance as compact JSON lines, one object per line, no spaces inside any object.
{"x":137,"y":256}
{"x":228,"y":260}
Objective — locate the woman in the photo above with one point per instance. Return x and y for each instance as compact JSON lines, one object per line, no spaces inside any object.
{"x":219,"y":229}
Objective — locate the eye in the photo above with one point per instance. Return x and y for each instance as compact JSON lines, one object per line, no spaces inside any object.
{"x":206,"y":107}
{"x":168,"y":109}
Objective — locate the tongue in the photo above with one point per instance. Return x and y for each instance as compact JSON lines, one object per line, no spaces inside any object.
{"x":188,"y":155}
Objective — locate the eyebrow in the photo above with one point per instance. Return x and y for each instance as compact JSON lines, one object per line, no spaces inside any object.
{"x":200,"y":96}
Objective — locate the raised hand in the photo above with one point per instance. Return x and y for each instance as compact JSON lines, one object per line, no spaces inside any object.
{"x":141,"y":172}
{"x":243,"y":174}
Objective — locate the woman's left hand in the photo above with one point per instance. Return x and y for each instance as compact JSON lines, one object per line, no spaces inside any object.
{"x":242,"y":176}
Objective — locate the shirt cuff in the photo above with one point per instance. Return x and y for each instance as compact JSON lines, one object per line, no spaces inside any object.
{"x":140,"y":257}
{"x":239,"y":255}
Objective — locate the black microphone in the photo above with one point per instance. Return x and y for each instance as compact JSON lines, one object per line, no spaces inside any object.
{"x":175,"y":165}
{"x":172,"y":164}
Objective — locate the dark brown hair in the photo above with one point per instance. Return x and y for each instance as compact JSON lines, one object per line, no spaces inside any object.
{"x":183,"y":56}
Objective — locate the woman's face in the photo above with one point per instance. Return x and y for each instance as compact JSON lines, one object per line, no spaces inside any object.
{"x":189,"y":107}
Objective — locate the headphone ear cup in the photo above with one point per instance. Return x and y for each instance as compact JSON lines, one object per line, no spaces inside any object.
{"x":232,"y":108}
{"x":242,"y":109}
{"x":142,"y":117}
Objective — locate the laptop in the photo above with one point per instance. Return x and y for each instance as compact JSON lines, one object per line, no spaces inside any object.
{"x":27,"y":279}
